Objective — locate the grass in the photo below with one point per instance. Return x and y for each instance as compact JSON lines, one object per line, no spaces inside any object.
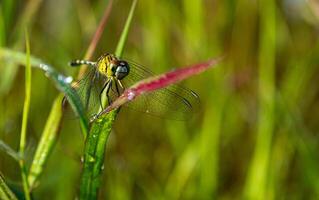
{"x":255,"y":136}
{"x":47,"y":142}
{"x":26,"y":109}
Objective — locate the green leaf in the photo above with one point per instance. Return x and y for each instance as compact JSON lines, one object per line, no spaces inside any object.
{"x":47,"y":141}
{"x":94,"y":156}
{"x":63,"y":84}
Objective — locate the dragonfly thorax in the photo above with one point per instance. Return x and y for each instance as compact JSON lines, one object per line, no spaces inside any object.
{"x":111,"y":66}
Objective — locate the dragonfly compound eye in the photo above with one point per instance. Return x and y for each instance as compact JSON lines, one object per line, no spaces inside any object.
{"x":122,"y":70}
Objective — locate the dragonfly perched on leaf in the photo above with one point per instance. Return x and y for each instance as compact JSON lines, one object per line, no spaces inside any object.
{"x":108,"y":77}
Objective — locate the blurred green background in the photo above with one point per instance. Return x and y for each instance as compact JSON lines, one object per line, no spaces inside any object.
{"x":255,"y":136}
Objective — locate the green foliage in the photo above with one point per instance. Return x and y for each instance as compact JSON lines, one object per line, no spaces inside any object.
{"x":254,"y":137}
{"x":258,"y":185}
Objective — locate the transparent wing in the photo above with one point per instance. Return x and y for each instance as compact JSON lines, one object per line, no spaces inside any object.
{"x":89,"y":88}
{"x":173,"y":102}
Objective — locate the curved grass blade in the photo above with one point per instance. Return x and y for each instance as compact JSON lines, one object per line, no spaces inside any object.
{"x":95,"y":145}
{"x":63,"y":84}
{"x":5,"y":192}
{"x":47,"y":141}
{"x":158,"y":82}
{"x":18,"y":57}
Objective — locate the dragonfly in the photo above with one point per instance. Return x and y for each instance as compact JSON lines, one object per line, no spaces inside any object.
{"x":107,"y":78}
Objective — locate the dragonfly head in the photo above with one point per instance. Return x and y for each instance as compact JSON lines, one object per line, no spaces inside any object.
{"x":111,"y":66}
{"x":121,"y":69}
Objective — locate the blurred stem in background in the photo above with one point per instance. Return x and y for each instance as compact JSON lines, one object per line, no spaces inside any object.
{"x":5,"y":192}
{"x":257,"y":183}
{"x":209,"y":134}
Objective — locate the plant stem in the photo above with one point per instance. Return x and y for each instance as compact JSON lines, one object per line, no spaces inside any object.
{"x":94,"y":156}
{"x":257,"y":185}
{"x":26,"y":109}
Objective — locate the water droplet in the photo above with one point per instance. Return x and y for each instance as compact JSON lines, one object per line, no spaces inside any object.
{"x":44,"y":67}
{"x":65,"y":79}
{"x":91,"y":158}
{"x":131,"y":95}
{"x":68,"y":79}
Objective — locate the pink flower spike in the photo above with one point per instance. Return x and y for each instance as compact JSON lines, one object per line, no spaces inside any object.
{"x":159,"y":81}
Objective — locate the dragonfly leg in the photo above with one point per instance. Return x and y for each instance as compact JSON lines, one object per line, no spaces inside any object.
{"x":120,"y":83}
{"x":107,"y":92}
{"x":117,"y":89}
{"x":105,"y":86}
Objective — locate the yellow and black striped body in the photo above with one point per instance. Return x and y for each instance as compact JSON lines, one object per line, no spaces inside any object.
{"x":112,"y":67}
{"x":105,"y":64}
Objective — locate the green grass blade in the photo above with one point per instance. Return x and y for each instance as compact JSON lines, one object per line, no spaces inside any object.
{"x":47,"y":141}
{"x":94,"y":156}
{"x":256,"y":183}
{"x":6,"y":148}
{"x":123,"y":38}
{"x":63,"y":84}
{"x":26,"y":109}
{"x":5,"y":192}
{"x":96,"y":142}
